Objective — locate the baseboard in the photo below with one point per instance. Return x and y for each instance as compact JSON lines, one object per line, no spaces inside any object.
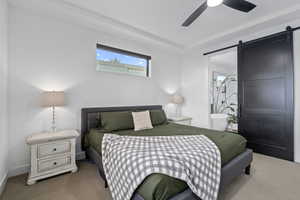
{"x":3,"y":183}
{"x":25,"y":168}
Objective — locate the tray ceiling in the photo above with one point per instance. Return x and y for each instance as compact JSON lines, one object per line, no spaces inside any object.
{"x":161,"y":20}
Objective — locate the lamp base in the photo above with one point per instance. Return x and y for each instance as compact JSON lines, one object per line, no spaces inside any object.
{"x":178,"y":111}
{"x":53,"y":128}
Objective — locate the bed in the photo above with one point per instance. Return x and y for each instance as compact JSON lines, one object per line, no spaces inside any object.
{"x":236,"y":158}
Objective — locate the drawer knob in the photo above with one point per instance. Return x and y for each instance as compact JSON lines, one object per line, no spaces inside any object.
{"x":54,"y":149}
{"x":55,"y":163}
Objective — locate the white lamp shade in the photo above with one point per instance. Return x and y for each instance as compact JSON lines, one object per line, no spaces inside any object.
{"x":53,"y":99}
{"x":177,"y":99}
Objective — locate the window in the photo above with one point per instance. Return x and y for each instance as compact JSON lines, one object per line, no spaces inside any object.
{"x":111,"y":59}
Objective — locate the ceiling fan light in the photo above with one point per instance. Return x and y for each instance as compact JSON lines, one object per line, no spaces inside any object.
{"x":214,"y":3}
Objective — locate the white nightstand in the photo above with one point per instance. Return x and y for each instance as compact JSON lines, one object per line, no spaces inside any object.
{"x":51,"y":154}
{"x":181,"y":120}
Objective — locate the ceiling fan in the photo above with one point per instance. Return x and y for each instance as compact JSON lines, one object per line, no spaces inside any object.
{"x":241,"y":5}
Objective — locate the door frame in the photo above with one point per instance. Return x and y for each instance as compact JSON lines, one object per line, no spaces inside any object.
{"x":209,"y":71}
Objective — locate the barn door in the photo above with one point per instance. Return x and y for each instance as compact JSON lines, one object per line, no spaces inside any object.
{"x":266,"y":94}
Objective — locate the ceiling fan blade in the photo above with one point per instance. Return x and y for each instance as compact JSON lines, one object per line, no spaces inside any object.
{"x":195,"y":15}
{"x":241,"y":5}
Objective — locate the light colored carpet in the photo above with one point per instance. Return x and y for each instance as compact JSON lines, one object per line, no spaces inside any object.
{"x":271,"y":179}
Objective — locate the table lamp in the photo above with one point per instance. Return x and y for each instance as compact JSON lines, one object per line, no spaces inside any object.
{"x":53,"y":99}
{"x":177,"y":100}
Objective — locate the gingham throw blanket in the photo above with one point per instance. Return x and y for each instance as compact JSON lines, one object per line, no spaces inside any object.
{"x":128,"y":160}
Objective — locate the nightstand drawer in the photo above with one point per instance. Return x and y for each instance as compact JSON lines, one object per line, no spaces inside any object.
{"x":181,"y":120}
{"x":53,"y":148}
{"x":188,"y":122}
{"x":46,"y":165}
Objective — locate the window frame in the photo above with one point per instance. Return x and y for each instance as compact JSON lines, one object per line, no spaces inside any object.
{"x":127,"y":53}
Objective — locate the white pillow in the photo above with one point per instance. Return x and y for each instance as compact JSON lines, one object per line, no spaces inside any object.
{"x":141,"y":120}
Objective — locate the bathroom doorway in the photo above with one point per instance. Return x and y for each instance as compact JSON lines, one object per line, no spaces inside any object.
{"x":223,"y":93}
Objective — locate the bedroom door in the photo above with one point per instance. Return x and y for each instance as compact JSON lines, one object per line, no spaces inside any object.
{"x":266,"y":94}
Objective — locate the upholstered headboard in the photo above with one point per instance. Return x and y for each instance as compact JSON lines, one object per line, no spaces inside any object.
{"x":90,"y":117}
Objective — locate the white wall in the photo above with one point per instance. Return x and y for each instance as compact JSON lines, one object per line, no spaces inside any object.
{"x":3,"y":94}
{"x":195,"y":79}
{"x":297,"y":94}
{"x":195,"y":88}
{"x":50,"y":54}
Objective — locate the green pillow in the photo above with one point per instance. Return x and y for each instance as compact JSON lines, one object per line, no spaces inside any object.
{"x":158,"y":117}
{"x":114,"y":121}
{"x":88,"y":138}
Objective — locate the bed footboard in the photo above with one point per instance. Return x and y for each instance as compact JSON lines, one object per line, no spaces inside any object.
{"x":248,"y":170}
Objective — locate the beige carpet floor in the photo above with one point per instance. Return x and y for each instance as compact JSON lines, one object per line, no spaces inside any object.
{"x":271,"y":179}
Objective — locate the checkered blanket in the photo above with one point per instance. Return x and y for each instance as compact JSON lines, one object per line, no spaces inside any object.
{"x":128,"y":160}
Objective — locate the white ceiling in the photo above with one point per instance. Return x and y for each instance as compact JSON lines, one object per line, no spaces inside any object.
{"x":163,"y":18}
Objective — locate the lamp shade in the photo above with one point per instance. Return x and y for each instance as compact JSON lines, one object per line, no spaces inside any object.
{"x":53,"y":99}
{"x":177,"y":99}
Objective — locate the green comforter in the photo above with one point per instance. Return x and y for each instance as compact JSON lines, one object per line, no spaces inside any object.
{"x":162,"y":187}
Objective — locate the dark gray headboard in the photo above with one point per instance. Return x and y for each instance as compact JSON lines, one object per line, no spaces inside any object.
{"x":90,"y":117}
